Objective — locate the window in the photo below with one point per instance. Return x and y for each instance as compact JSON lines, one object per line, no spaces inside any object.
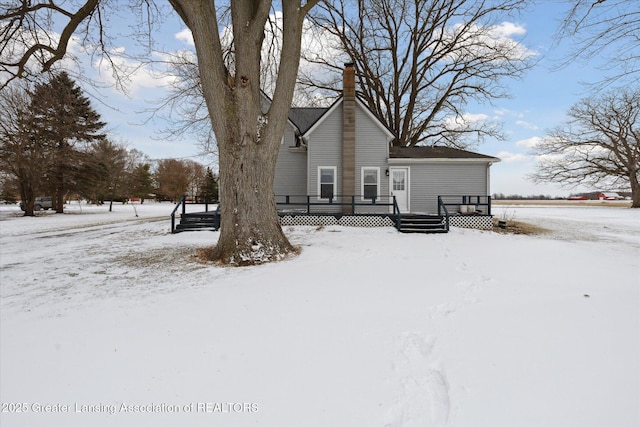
{"x":370,"y":181}
{"x":326,"y":182}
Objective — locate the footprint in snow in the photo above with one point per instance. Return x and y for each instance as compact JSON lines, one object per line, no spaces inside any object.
{"x":423,"y":393}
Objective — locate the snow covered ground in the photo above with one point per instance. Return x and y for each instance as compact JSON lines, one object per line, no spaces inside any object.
{"x":108,"y":320}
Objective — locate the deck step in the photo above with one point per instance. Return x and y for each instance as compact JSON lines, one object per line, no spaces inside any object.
{"x":198,"y":221}
{"x":422,"y":224}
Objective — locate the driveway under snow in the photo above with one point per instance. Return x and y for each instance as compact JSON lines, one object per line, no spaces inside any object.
{"x":108,"y":320}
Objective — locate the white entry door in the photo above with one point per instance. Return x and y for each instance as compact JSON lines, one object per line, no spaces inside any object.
{"x":399,"y":185}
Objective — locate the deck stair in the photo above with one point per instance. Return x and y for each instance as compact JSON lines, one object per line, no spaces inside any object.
{"x":423,"y":224}
{"x":198,"y":221}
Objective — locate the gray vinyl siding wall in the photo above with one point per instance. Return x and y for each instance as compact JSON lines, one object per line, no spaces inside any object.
{"x":291,"y":169}
{"x":372,"y":150}
{"x":429,"y":180}
{"x":325,"y":149}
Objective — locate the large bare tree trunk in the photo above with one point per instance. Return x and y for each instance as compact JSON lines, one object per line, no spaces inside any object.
{"x":250,"y":229}
{"x":635,"y":190}
{"x":248,"y":139}
{"x":28,"y":197}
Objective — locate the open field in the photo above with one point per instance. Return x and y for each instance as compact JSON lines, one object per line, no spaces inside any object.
{"x":599,"y":203}
{"x":106,"y":319}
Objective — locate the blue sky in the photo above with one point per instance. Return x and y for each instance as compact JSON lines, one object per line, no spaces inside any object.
{"x":539,"y":102}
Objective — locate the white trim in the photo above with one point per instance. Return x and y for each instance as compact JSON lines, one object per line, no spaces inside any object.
{"x":335,"y":180}
{"x":390,"y":136}
{"x":362,"y":169}
{"x":322,"y":118}
{"x":407,"y":184}
{"x":400,"y":161}
{"x":364,"y":108}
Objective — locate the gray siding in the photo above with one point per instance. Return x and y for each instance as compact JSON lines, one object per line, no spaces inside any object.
{"x":372,"y":150}
{"x":429,"y":180}
{"x":325,"y":149}
{"x":291,"y":168}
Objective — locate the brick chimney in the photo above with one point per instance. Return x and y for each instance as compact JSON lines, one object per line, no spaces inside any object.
{"x":348,"y":134}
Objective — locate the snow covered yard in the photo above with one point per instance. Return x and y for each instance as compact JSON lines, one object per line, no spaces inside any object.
{"x":108,"y":320}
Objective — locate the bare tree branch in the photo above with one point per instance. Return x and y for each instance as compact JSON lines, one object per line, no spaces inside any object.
{"x":420,"y":63}
{"x":599,"y":146}
{"x":597,"y":27}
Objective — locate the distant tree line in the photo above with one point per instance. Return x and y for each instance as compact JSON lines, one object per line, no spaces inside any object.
{"x":502,"y":196}
{"x":52,"y":143}
{"x":589,"y":195}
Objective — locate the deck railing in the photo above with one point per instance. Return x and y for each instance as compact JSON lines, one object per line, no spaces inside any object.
{"x":314,"y":204}
{"x":183,"y":202}
{"x":443,"y":208}
{"x":472,"y":205}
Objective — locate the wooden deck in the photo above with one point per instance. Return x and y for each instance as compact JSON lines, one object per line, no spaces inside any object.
{"x":406,"y":223}
{"x":350,"y":211}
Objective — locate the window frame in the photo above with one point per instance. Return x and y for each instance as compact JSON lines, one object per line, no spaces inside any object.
{"x":334,"y":169}
{"x":362,"y":183}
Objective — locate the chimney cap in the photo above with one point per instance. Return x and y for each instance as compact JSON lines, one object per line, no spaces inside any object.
{"x":348,"y":64}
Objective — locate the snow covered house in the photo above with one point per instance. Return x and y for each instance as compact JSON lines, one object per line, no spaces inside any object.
{"x":340,"y":160}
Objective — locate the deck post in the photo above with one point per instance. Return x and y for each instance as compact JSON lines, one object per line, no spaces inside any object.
{"x":353,"y":205}
{"x":308,"y":204}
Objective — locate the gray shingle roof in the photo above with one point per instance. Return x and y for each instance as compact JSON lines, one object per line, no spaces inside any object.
{"x":436,"y":152}
{"x":304,"y":118}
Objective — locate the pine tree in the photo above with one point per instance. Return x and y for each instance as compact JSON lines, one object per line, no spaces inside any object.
{"x":210,"y":189}
{"x":62,"y":118}
{"x":141,"y":184}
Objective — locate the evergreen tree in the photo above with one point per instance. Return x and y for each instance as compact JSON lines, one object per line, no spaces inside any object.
{"x":210,"y":188}
{"x":141,"y":181}
{"x":62,"y":119}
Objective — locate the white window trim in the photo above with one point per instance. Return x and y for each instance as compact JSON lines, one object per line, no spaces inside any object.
{"x":362,"y":169}
{"x":335,"y":180}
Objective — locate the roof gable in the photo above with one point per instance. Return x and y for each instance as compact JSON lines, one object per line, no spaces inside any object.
{"x":367,"y":111}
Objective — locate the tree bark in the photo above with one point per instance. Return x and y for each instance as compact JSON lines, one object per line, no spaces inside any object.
{"x":635,"y":190}
{"x":250,"y":231}
{"x":28,"y":198}
{"x":248,"y":139}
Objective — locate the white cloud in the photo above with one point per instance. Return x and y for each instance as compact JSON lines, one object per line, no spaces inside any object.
{"x":488,"y":40}
{"x":527,"y":125}
{"x":509,"y":157}
{"x":532,"y":142}
{"x":509,"y":29}
{"x":185,"y":36}
{"x":134,"y":75}
{"x":463,"y":121}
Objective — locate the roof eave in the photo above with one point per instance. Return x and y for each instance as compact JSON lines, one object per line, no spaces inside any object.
{"x":398,"y":160}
